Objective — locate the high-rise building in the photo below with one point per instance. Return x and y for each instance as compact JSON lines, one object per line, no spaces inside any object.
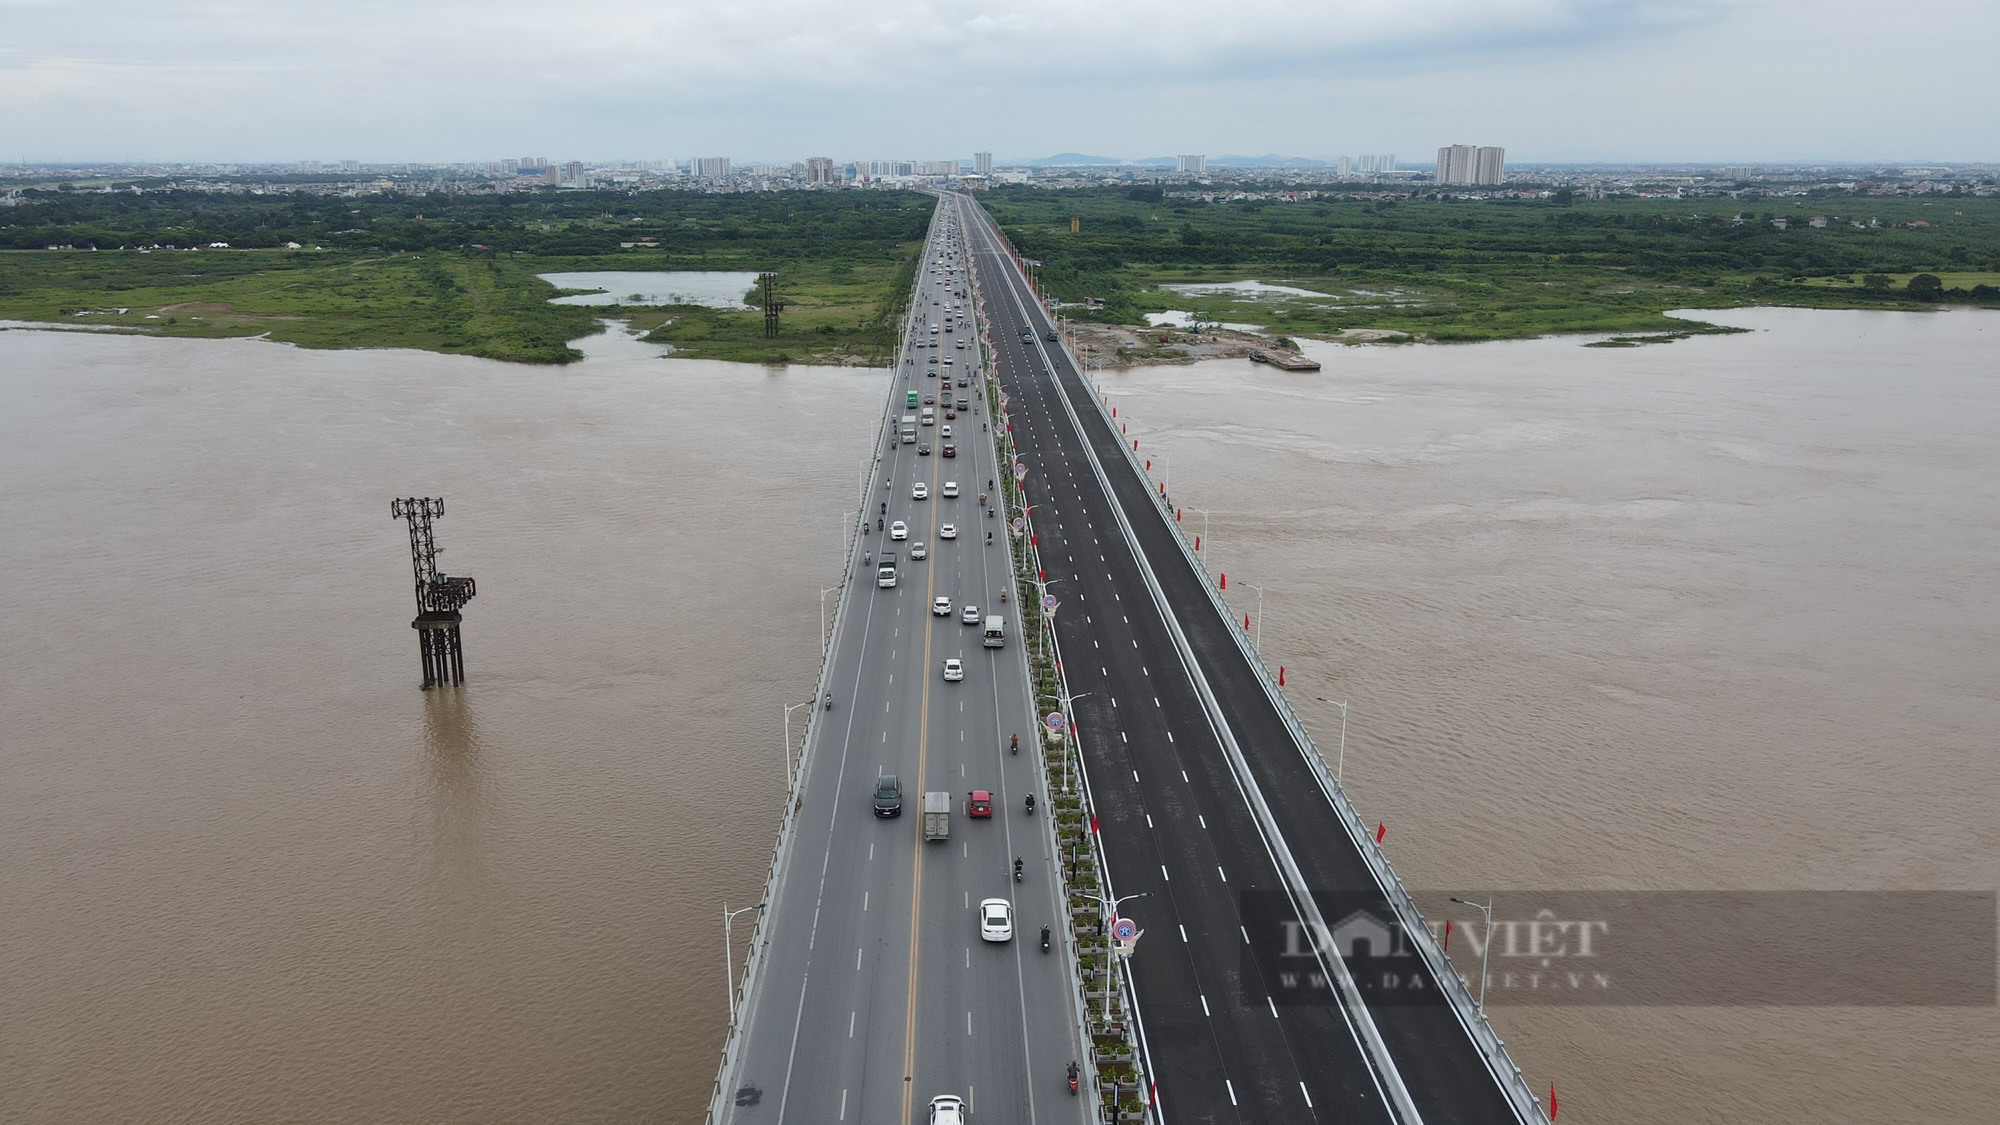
{"x":1345,"y":166}
{"x":819,"y":170}
{"x":711,"y":167}
{"x":1466,"y":164}
{"x":1386,"y":162}
{"x":1193,"y":164}
{"x":982,"y":163}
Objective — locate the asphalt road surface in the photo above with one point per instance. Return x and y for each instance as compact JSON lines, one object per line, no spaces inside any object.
{"x":1226,"y":1039}
{"x":875,"y":991}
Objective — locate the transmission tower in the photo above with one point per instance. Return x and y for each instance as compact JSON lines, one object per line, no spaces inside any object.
{"x":439,"y":596}
{"x":772,"y":305}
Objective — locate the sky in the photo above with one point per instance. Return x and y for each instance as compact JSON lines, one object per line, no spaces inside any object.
{"x":1733,"y":81}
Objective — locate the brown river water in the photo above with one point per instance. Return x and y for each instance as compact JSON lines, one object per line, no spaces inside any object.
{"x":1716,"y":615}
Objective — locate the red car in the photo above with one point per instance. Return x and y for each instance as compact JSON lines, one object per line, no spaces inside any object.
{"x":979,"y":802}
{"x":950,"y":414}
{"x":949,"y":451}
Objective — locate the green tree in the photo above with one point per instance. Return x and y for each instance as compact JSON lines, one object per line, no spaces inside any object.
{"x":1925,"y":287}
{"x":1875,"y":283}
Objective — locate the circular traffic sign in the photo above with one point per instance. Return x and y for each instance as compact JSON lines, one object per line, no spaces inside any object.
{"x":1056,"y":720}
{"x":1124,"y":929}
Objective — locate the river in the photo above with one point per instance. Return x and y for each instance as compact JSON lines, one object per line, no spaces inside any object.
{"x":1718,"y":614}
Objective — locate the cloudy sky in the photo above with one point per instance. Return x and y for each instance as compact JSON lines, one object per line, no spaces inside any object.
{"x":1651,"y":80}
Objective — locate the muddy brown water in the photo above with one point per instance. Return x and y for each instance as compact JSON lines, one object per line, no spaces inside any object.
{"x":1714,"y":615}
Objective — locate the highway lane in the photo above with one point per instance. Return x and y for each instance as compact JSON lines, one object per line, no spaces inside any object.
{"x":1448,"y":1079}
{"x":874,"y":991}
{"x":1176,"y":825}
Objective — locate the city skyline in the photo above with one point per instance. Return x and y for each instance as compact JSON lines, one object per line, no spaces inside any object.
{"x":1556,"y":81}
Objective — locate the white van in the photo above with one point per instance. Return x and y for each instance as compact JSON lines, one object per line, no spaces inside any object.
{"x":995,"y":633}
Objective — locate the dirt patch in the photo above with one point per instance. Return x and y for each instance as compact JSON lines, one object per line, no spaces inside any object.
{"x":1121,"y":345}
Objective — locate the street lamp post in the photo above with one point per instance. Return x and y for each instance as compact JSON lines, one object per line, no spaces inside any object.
{"x":788,"y":738}
{"x":824,"y":591}
{"x":1486,"y":954}
{"x":1204,"y":533}
{"x":1340,"y":762}
{"x":1069,"y":717}
{"x":1105,"y":906}
{"x":729,"y":953}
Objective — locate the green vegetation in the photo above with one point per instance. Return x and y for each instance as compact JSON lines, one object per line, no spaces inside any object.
{"x":471,"y":304}
{"x":1461,"y":270}
{"x":456,"y":273}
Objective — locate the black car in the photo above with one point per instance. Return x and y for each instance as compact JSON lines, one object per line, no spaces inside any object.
{"x":888,"y":795}
{"x":1050,"y":335}
{"x":924,"y":448}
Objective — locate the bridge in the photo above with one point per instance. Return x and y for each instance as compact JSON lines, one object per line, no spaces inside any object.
{"x":1215,"y":825}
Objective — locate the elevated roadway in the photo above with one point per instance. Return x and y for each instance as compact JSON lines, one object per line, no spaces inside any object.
{"x":870,"y":989}
{"x":1208,"y":800}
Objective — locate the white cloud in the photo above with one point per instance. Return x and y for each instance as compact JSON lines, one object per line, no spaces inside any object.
{"x":456,"y":79}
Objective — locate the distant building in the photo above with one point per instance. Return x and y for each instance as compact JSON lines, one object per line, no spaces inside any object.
{"x":711,"y":167}
{"x":1467,"y":164}
{"x":819,"y":170}
{"x":982,"y":163}
{"x":1345,"y":166}
{"x":1193,"y":165}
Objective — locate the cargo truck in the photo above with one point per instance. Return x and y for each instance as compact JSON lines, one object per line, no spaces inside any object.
{"x":885,"y":570}
{"x":937,"y":816}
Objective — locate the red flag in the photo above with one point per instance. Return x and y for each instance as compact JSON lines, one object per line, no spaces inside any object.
{"x":1135,"y":445}
{"x":1197,"y":542}
{"x":1381,"y":830}
{"x":1246,"y":621}
{"x":1281,"y":675}
{"x":1447,"y":935}
{"x":1035,"y":540}
{"x":1163,"y":488}
{"x":1044,"y":572}
{"x":1093,"y":824}
{"x":1114,"y":412}
{"x":1149,"y":464}
{"x":1225,"y":581}
{"x":1552,"y":1101}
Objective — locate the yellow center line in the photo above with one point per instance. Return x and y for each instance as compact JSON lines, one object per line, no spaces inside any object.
{"x":917,"y":867}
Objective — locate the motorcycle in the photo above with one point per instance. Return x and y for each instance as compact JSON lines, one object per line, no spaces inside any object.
{"x":989,"y":539}
{"x":1045,"y":939}
{"x":1017,"y":869}
{"x":1072,"y":1078}
{"x":829,"y":701}
{"x":1014,"y":744}
{"x":878,"y":523}
{"x":1031,"y":804}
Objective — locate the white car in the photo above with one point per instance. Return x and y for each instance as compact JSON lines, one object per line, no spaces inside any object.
{"x":899,"y":530}
{"x":920,"y":491}
{"x":941,"y":606}
{"x":944,"y":431}
{"x":954,"y":670}
{"x":919,"y":551}
{"x":947,"y":531}
{"x":947,"y":1110}
{"x":950,"y":489}
{"x":969,"y":616}
{"x":996,"y":919}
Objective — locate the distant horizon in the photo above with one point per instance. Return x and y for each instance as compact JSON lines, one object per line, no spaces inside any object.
{"x":1057,"y":159}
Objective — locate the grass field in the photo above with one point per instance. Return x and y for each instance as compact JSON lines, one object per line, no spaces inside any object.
{"x":481,"y":304}
{"x":467,"y":304}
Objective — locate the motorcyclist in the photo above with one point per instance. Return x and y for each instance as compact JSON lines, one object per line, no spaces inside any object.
{"x":1014,"y":744}
{"x":1031,"y":803}
{"x":878,"y":523}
